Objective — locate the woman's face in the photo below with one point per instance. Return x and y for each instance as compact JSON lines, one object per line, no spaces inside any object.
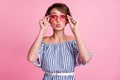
{"x":57,"y":19}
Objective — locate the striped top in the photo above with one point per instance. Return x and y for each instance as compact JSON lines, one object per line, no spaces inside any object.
{"x":58,"y":57}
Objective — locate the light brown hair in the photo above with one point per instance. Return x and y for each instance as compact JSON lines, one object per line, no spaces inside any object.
{"x":59,"y":6}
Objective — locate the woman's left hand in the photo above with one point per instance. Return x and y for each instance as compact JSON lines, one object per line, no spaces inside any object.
{"x":73,"y":23}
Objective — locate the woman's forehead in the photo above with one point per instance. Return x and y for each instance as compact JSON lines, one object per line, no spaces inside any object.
{"x":55,"y":11}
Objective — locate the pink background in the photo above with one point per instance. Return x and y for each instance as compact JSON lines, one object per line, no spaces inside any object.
{"x":99,"y":27}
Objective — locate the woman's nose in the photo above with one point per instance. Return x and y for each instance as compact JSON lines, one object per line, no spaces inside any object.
{"x":58,"y":19}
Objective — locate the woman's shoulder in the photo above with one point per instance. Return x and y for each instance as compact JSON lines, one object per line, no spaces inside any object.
{"x":69,"y":38}
{"x":47,"y":39}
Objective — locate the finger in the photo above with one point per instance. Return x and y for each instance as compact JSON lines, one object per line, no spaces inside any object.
{"x":46,"y":19}
{"x":77,"y":23}
{"x":47,"y":16}
{"x":68,"y":17}
{"x":74,"y":22}
{"x":71,"y":19}
{"x":41,"y":22}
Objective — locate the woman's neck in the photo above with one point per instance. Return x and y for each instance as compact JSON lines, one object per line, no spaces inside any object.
{"x":59,"y":35}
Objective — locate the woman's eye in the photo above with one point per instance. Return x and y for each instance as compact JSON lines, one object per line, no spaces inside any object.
{"x":63,"y":16}
{"x":53,"y":16}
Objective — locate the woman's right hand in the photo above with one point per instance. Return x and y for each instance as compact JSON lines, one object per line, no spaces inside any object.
{"x":43,"y":22}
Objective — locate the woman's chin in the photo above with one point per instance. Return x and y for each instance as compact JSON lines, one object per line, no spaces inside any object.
{"x":58,"y":29}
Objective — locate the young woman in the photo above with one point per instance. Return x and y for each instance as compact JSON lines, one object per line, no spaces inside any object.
{"x":58,"y":54}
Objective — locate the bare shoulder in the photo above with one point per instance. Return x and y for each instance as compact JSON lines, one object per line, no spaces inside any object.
{"x":69,"y":38}
{"x":46,"y":39}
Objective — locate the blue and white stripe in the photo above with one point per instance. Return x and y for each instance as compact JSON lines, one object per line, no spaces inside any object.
{"x":58,"y":57}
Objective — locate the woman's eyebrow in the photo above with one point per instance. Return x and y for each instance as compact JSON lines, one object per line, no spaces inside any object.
{"x":52,"y":12}
{"x":55,"y":13}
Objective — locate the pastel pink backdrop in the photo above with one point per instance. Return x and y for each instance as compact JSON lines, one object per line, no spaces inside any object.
{"x":99,"y":27}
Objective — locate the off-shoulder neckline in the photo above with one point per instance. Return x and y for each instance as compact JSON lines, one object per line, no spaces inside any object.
{"x":58,"y":42}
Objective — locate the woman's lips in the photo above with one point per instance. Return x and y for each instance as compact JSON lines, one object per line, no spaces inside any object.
{"x":58,"y":25}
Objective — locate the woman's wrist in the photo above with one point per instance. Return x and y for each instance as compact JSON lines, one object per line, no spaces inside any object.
{"x":42,"y":31}
{"x":75,"y":31}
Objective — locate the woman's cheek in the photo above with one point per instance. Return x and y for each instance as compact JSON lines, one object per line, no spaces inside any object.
{"x":52,"y":21}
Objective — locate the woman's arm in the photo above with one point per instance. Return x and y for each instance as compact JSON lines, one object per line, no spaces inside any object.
{"x":83,"y":55}
{"x":33,"y":51}
{"x":82,"y":49}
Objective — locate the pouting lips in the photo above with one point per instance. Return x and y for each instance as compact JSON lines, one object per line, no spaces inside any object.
{"x":58,"y":25}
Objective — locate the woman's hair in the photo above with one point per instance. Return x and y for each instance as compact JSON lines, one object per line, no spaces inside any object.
{"x":59,"y":6}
